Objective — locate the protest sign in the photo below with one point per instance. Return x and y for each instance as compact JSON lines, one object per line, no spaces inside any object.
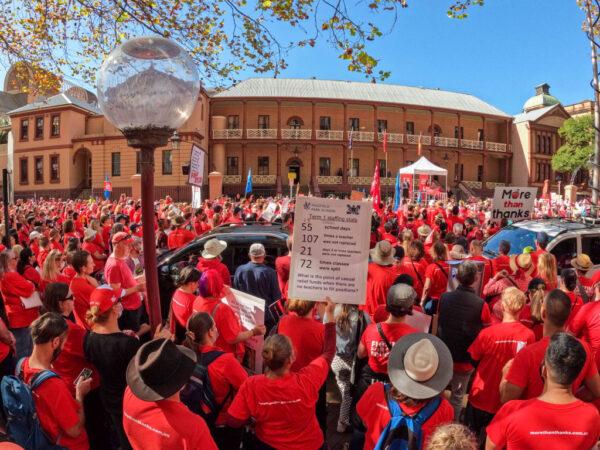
{"x":251,"y":311}
{"x":196,"y":197}
{"x":269,"y":213}
{"x":196,"y":176}
{"x":331,"y":250}
{"x":453,"y":282}
{"x":513,"y":203}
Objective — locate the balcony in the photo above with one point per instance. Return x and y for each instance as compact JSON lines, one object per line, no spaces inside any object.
{"x":392,"y":138}
{"x":329,"y":180}
{"x":494,"y":184}
{"x":261,"y":133}
{"x":234,"y":133}
{"x":414,"y":139}
{"x":384,"y":181}
{"x":473,"y":184}
{"x":471,"y":145}
{"x":295,"y":133}
{"x":330,"y":135}
{"x":264,"y":179}
{"x":361,"y":136}
{"x":445,"y":141}
{"x":496,"y":147}
{"x":232,"y":179}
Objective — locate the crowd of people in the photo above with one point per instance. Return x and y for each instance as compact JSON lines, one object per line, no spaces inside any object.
{"x":450,"y":350}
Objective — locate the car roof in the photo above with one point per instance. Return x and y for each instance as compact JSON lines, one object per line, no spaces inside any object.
{"x":249,"y":229}
{"x":554,"y":227}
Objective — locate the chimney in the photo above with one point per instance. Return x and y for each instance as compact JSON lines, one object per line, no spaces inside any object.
{"x":542,"y":89}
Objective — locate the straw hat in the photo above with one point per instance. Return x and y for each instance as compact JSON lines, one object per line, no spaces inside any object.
{"x":582,"y":262}
{"x":424,"y":230}
{"x":522,"y":262}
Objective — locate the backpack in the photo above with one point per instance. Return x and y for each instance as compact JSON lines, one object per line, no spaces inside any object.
{"x":23,"y":425}
{"x":403,"y":432}
{"x":198,"y":395}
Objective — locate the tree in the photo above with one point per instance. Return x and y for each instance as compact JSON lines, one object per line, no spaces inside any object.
{"x":577,"y":134}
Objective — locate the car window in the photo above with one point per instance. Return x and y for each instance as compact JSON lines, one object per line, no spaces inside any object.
{"x":564,"y":251}
{"x":519,"y":238}
{"x":590,"y":245}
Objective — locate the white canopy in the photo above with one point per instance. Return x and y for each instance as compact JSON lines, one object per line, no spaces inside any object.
{"x":423,"y":166}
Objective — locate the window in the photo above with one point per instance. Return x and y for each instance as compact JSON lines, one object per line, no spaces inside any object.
{"x":138,"y":162}
{"x":462,"y":133}
{"x":410,"y":128}
{"x":38,"y":169}
{"x":295,"y":123}
{"x":24,"y":129}
{"x":263,"y":122}
{"x":480,"y":134}
{"x":233,"y":167}
{"x":23,"y":171}
{"x":324,"y":167}
{"x":54,"y":168}
{"x":437,"y":131}
{"x":381,"y":125}
{"x":39,"y":128}
{"x":167,"y":162}
{"x":324,"y":123}
{"x":263,"y":165}
{"x":354,"y":167}
{"x":382,"y":168}
{"x":543,"y":171}
{"x":55,"y":125}
{"x":479,"y":173}
{"x":564,"y":251}
{"x":115,"y":164}
{"x":354,"y":123}
{"x":539,"y":143}
{"x":590,"y":245}
{"x":233,"y":122}
{"x":458,"y":172}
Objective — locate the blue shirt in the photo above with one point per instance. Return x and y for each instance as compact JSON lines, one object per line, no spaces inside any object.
{"x":259,"y":280}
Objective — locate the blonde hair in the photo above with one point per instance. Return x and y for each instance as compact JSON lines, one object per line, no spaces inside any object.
{"x":513,"y":300}
{"x":300,"y":307}
{"x":452,"y":436}
{"x":49,"y":271}
{"x":547,"y":268}
{"x":93,"y":315}
{"x":535,"y":306}
{"x":17,"y":250}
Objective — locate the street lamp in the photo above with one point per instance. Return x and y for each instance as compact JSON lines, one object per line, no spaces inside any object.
{"x":147,"y":88}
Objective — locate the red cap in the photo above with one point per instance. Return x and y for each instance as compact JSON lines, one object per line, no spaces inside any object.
{"x":121,"y":236}
{"x":104,"y":297}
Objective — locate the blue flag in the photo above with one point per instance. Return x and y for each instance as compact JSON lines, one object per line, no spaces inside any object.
{"x":249,"y":182}
{"x":397,"y":193}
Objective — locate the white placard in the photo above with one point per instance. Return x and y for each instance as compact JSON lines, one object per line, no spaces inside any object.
{"x":251,"y":311}
{"x":331,"y":250}
{"x":196,"y":176}
{"x":196,"y":197}
{"x":513,"y":203}
{"x":269,"y":213}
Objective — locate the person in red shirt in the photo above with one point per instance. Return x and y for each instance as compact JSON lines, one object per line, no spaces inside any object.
{"x":225,"y":373}
{"x":415,"y":265}
{"x":582,"y":264}
{"x":69,"y":231}
{"x":97,"y":252}
{"x":282,"y":267}
{"x":44,"y":251}
{"x":106,"y":224}
{"x":541,"y":242}
{"x":82,"y":285}
{"x":231,"y":333}
{"x":387,"y":234}
{"x":183,"y":301}
{"x":521,"y":268}
{"x":502,"y":261}
{"x":546,"y":270}
{"x":55,"y":241}
{"x":61,"y":416}
{"x":436,"y":277}
{"x":570,"y":286}
{"x":34,"y":243}
{"x":51,"y":271}
{"x":200,"y":222}
{"x":493,"y":348}
{"x":381,"y":273}
{"x":476,"y":252}
{"x":555,"y":419}
{"x":211,"y":259}
{"x":179,"y":236}
{"x":25,"y":268}
{"x":282,"y":402}
{"x":153,"y":415}
{"x":420,"y":368}
{"x":586,"y":326}
{"x":377,"y":340}
{"x":523,"y":379}
{"x":14,"y":287}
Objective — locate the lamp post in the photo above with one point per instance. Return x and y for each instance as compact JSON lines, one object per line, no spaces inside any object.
{"x":175,"y":144}
{"x":147,"y":88}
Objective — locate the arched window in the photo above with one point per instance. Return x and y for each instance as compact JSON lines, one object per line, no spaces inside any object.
{"x":295,"y":122}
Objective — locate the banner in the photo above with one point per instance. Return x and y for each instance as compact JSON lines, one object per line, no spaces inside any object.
{"x":513,"y":203}
{"x":196,"y":176}
{"x":423,"y":179}
{"x":331,"y":250}
{"x":251,"y":311}
{"x":269,"y":213}
{"x":108,"y":186}
{"x":196,"y":197}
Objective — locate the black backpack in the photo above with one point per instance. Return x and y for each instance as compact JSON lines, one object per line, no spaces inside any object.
{"x":198,"y":394}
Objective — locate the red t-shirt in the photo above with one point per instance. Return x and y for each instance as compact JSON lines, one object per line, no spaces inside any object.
{"x":60,"y":278}
{"x":493,"y":348}
{"x":282,"y":267}
{"x":179,"y":237}
{"x":284,"y":408}
{"x":41,"y":257}
{"x":56,"y":409}
{"x":34,"y":276}
{"x":56,"y":245}
{"x":92,"y":248}
{"x":227,"y":322}
{"x":417,"y":271}
{"x":307,"y":336}
{"x":181,"y":304}
{"x":586,"y":325}
{"x":165,"y":425}
{"x":373,"y":410}
{"x":379,"y":280}
{"x":524,"y":371}
{"x":116,"y":271}
{"x":81,"y":290}
{"x":500,"y":263}
{"x":438,"y":278}
{"x":13,"y":286}
{"x":216,"y":264}
{"x":529,"y":424}
{"x":376,"y":347}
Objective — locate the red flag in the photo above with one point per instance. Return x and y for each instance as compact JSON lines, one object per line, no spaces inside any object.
{"x":376,"y":189}
{"x":384,"y":141}
{"x":419,"y":146}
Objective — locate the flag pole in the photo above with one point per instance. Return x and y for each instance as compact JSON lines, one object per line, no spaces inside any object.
{"x":387,"y":192}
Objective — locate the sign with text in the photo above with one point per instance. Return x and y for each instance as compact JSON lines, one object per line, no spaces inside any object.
{"x":331,"y":250}
{"x":513,"y":203}
{"x":196,"y":176}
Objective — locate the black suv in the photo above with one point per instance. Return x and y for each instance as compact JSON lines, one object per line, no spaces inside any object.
{"x":238,"y":238}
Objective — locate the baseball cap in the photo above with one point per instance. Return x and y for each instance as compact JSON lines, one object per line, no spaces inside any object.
{"x":34,"y":235}
{"x":401,"y":296}
{"x":121,"y":236}
{"x":104,"y":297}
{"x":257,"y":250}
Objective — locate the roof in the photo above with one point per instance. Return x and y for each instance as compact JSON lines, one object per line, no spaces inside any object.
{"x":534,"y":115}
{"x":424,"y":166}
{"x":540,"y":100}
{"x":555,"y":227}
{"x":9,"y":101}
{"x":56,"y":101}
{"x":351,"y":90}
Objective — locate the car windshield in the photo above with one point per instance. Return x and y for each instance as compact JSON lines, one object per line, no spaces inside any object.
{"x":518,"y":237}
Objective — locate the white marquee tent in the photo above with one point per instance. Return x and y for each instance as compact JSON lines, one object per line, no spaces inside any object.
{"x":424,"y":167}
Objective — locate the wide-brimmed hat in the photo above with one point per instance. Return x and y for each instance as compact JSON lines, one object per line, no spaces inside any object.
{"x":383,"y":253}
{"x":213,"y":248}
{"x":424,"y":230}
{"x":522,"y":262}
{"x":582,"y":262}
{"x":160,"y":369}
{"x":89,"y":234}
{"x":420,"y":365}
